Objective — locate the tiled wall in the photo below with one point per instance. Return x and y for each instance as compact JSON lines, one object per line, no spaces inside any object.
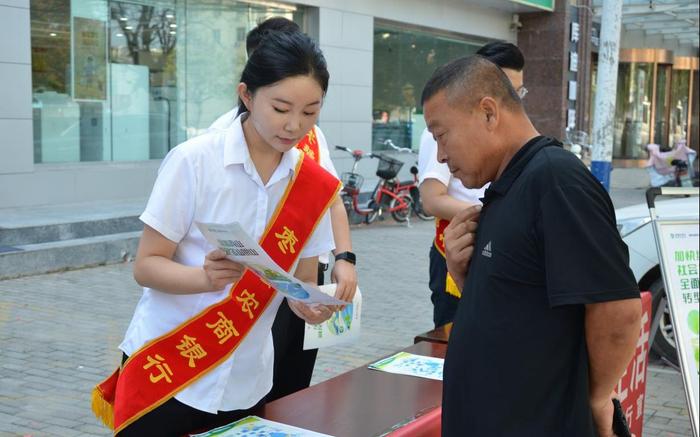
{"x":16,"y":149}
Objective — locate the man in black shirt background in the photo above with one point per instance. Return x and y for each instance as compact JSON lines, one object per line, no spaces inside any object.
{"x":550,"y":311}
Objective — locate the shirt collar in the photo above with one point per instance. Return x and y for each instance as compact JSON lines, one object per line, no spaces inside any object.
{"x":236,"y":152}
{"x":516,"y":165}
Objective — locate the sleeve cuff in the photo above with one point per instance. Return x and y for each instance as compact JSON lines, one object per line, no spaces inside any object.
{"x":317,"y":250}
{"x":584,"y":298}
{"x":153,"y":222}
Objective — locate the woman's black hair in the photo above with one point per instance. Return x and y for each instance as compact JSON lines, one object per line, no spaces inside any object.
{"x":281,"y":55}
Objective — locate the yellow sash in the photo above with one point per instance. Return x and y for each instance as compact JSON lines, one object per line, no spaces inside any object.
{"x":450,"y":284}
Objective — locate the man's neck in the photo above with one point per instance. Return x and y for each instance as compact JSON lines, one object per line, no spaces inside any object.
{"x":514,"y":143}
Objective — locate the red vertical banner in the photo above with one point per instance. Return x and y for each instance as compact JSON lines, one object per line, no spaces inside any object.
{"x":632,"y":386}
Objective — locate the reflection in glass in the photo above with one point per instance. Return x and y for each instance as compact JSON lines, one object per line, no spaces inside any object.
{"x":143,"y":54}
{"x":404,"y":59}
{"x":695,"y":109}
{"x":678,"y":119}
{"x":55,"y":115}
{"x":633,"y":110}
{"x":129,"y":80}
{"x":661,"y":111}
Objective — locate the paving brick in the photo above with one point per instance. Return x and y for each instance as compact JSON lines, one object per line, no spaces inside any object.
{"x":61,"y":331}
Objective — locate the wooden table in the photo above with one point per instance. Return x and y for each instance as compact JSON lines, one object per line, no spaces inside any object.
{"x":362,"y":402}
{"x":437,"y":335}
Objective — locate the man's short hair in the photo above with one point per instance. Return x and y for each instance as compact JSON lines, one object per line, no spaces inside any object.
{"x":472,"y":77}
{"x":503,"y":54}
{"x":274,"y":24}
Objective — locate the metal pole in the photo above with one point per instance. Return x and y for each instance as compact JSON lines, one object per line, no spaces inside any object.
{"x":606,"y":91}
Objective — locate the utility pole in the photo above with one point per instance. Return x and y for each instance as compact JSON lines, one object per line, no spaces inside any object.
{"x":606,"y":91}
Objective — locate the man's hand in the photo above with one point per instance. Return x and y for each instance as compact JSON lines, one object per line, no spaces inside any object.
{"x":602,"y":410}
{"x":220,"y":270}
{"x":459,"y":242}
{"x":312,"y":314}
{"x":345,"y":277}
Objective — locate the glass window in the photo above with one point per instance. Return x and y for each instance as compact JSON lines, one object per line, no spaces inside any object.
{"x":633,"y":110}
{"x":678,"y":120}
{"x":695,"y":107}
{"x":404,"y":59}
{"x":662,"y":108}
{"x":129,"y":80}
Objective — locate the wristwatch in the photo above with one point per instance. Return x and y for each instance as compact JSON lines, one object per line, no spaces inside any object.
{"x":346,"y":256}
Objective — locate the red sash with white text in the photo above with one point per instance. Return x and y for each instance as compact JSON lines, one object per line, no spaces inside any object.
{"x":309,"y":145}
{"x":173,"y":361}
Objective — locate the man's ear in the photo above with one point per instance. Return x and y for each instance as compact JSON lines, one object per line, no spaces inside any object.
{"x":489,"y":109}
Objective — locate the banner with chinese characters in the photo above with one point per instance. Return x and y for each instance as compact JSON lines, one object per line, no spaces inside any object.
{"x":632,"y":386}
{"x":678,"y":251}
{"x":242,"y":248}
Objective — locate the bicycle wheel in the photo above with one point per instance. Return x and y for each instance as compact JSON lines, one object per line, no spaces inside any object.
{"x":418,"y":206}
{"x":372,"y":216}
{"x":401,"y":215}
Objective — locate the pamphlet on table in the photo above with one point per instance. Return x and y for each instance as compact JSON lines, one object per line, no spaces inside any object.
{"x":404,"y":363}
{"x":253,"y":426}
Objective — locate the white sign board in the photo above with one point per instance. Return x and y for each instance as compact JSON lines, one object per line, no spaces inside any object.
{"x":571,"y":118}
{"x":573,"y":89}
{"x":575,"y":31}
{"x":678,"y":251}
{"x":573,"y":61}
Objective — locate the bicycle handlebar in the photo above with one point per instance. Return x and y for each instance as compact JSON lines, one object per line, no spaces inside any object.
{"x":391,"y":144}
{"x":357,"y":154}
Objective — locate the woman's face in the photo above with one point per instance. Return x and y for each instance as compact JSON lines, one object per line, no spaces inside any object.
{"x":282,"y":113}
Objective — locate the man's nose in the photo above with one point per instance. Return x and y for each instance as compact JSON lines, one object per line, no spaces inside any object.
{"x":441,"y":155}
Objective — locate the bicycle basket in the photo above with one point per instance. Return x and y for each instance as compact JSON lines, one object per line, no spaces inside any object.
{"x":388,"y":167}
{"x":351,"y":181}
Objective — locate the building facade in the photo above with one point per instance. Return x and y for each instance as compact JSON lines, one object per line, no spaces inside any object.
{"x":94,"y":93}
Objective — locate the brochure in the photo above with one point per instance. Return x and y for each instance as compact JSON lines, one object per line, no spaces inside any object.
{"x":404,"y":363}
{"x":343,"y":326}
{"x":242,"y":248}
{"x":253,"y":426}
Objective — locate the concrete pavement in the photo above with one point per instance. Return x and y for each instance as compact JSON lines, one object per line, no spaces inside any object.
{"x":59,"y":333}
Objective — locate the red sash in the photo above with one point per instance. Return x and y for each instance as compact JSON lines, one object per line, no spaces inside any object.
{"x":173,"y":361}
{"x":309,"y":145}
{"x":450,"y":284}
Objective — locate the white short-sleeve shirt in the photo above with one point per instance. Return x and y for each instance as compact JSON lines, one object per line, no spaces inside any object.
{"x":227,"y":120}
{"x":430,"y":168}
{"x":211,"y":178}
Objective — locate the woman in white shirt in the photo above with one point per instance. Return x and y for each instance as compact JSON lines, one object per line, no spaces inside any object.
{"x":238,"y":175}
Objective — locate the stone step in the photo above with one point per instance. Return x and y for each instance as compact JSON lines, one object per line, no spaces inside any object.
{"x":38,"y":258}
{"x":46,"y":233}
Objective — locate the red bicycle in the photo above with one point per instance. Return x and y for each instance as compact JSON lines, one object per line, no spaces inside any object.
{"x":389,"y":194}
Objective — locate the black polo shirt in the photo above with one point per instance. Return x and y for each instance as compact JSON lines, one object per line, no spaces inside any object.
{"x":546,"y":245}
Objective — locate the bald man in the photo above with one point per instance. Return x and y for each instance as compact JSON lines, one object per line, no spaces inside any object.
{"x":550,"y":311}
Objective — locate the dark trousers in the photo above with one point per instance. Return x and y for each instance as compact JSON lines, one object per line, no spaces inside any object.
{"x":174,"y":419}
{"x":293,"y":365}
{"x":444,"y":304}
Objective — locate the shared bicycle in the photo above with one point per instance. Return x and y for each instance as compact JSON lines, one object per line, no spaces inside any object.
{"x":399,"y":198}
